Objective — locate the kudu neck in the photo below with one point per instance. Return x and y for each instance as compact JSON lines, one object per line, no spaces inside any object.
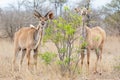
{"x":40,"y":28}
{"x":39,"y":36}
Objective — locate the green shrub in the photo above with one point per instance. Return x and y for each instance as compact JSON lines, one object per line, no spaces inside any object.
{"x":48,"y":57}
{"x":83,"y":45}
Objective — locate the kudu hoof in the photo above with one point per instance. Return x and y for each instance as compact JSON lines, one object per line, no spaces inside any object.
{"x":95,"y":72}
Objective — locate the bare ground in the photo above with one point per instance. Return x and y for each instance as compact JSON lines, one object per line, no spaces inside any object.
{"x":110,"y":64}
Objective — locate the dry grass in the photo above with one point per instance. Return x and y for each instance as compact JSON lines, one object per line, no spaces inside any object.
{"x":51,"y":72}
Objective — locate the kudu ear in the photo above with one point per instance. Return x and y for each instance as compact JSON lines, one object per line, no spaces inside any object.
{"x":77,"y":10}
{"x":49,"y":15}
{"x":37,"y":14}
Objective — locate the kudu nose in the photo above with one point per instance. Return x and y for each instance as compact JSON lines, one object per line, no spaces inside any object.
{"x":43,"y":23}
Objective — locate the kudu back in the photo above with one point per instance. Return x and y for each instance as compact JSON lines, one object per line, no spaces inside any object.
{"x":29,"y":38}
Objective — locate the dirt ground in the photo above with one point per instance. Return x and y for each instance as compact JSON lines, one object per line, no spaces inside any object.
{"x":110,"y":64}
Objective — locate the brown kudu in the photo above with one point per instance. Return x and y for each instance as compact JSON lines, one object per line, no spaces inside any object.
{"x":29,"y":38}
{"x":95,"y":38}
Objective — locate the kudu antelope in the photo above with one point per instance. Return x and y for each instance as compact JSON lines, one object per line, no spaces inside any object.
{"x":95,"y":38}
{"x":29,"y":38}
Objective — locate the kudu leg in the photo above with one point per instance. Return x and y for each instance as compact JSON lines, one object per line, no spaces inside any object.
{"x":82,"y":58}
{"x":28,"y":57}
{"x":88,"y":60}
{"x":35,"y":59}
{"x":16,"y":51}
{"x":22,"y":57}
{"x":101,"y":49}
{"x":96,"y":63}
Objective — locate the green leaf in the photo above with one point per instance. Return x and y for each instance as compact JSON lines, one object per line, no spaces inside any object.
{"x":66,"y":8}
{"x":84,"y":44}
{"x":62,"y":50}
{"x":48,"y":57}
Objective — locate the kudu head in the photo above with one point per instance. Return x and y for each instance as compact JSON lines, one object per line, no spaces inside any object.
{"x":82,"y":11}
{"x":43,"y":19}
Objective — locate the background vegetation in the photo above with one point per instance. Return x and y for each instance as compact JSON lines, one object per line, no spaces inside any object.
{"x":13,"y":17}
